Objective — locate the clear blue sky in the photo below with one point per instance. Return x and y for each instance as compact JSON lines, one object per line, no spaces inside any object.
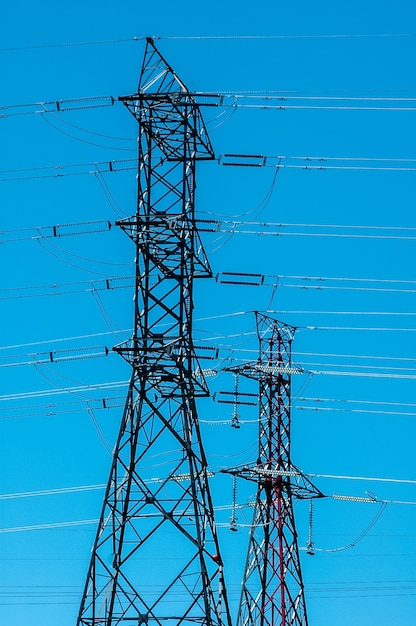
{"x":345,"y":70}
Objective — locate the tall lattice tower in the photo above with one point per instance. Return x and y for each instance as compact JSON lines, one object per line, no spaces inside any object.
{"x":272,"y":588}
{"x":156,"y":558}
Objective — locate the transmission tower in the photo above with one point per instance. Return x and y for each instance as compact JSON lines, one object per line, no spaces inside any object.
{"x":272,"y":588}
{"x":156,"y":558}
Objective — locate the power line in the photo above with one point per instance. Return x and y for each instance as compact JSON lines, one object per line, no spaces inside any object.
{"x":231,"y":229}
{"x":96,"y":226}
{"x":70,"y":44}
{"x":95,"y":487}
{"x":111,"y":283}
{"x":357,"y":328}
{"x":52,"y":410}
{"x":319,"y":283}
{"x":218,"y":337}
{"x":56,"y":231}
{"x":94,"y":352}
{"x":230,"y":348}
{"x":46,"y":118}
{"x":71,"y":338}
{"x":351,"y":401}
{"x":300,"y":328}
{"x":301,"y":95}
{"x":370,"y":227}
{"x":271,"y":37}
{"x":50,"y":492}
{"x":100,"y":42}
{"x":121,"y":165}
{"x":60,"y":356}
{"x":48,"y":526}
{"x":303,"y":312}
{"x":57,"y":106}
{"x":323,"y":107}
{"x":77,"y":169}
{"x":63,"y":390}
{"x":317,"y":409}
{"x":327,"y":354}
{"x":316,"y":162}
{"x":115,"y":402}
{"x":286,"y":98}
{"x":389,"y":375}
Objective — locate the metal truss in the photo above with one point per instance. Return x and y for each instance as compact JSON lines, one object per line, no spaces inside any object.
{"x":156,"y":558}
{"x":272,"y":589}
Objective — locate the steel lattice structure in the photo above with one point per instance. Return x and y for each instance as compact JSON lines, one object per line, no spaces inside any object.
{"x":272,"y":588}
{"x":156,"y":557}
